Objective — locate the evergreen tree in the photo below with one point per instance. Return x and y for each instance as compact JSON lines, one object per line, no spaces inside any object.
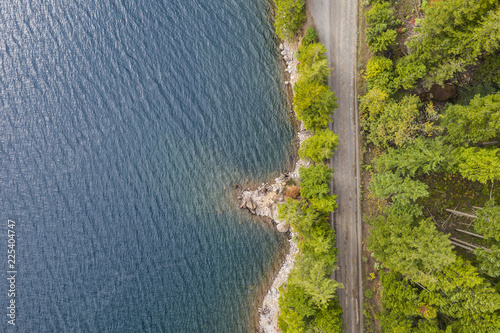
{"x":488,"y":221}
{"x":489,"y":260}
{"x":452,"y":35}
{"x":320,"y":146}
{"x":480,"y":164}
{"x":413,"y":250}
{"x":477,"y":122}
{"x":422,"y":157}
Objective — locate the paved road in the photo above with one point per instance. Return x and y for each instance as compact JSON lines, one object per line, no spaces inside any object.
{"x":336,"y":22}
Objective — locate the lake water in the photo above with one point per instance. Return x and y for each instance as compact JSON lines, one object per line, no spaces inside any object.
{"x":124,"y":125}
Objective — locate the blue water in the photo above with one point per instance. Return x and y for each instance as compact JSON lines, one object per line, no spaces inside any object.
{"x":123,"y":125}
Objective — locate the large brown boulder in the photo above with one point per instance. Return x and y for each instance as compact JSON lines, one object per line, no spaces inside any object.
{"x":442,"y":94}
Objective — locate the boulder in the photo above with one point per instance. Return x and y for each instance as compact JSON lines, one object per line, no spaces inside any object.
{"x":250,"y":205}
{"x":282,"y":46}
{"x":283,"y":227}
{"x":443,"y":93}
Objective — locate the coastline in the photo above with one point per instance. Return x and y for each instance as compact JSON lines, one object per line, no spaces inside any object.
{"x":263,"y":201}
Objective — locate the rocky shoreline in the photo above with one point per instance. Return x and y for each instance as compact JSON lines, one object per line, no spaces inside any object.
{"x":263,"y":201}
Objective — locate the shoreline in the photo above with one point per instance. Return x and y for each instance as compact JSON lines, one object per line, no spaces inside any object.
{"x":262,"y":201}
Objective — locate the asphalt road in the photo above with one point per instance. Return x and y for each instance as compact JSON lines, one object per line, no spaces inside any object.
{"x":336,"y":23}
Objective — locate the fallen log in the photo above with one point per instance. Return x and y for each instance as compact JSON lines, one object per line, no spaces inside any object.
{"x":456,"y":212}
{"x":470,"y":233}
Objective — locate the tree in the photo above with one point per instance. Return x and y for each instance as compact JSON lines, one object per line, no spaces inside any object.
{"x":315,"y":181}
{"x":320,"y":146}
{"x":310,"y":53}
{"x":477,"y":122}
{"x":290,"y":14}
{"x":489,"y":260}
{"x":403,"y":192}
{"x":380,"y":35}
{"x":314,"y":105}
{"x":408,"y":71}
{"x":452,"y":35}
{"x":317,"y":72}
{"x":380,"y":74}
{"x":329,"y":319}
{"x":459,"y":291}
{"x":391,"y":121}
{"x":310,"y":37}
{"x":296,"y":309}
{"x":422,"y":157}
{"x":480,"y":164}
{"x":413,"y":250}
{"x":313,"y":277}
{"x":488,"y":221}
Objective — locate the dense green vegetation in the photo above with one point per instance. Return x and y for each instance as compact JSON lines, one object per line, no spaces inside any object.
{"x":429,"y":282}
{"x":308,"y":301}
{"x":290,"y":14}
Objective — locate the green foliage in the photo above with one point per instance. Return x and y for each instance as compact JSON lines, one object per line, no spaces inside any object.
{"x":290,"y":14}
{"x":399,"y":296}
{"x":488,"y":221}
{"x":320,"y":146}
{"x":380,"y":74}
{"x":314,"y":105}
{"x":310,"y":53}
{"x":311,"y":36}
{"x":489,"y":260}
{"x":315,"y":181}
{"x":489,"y":72}
{"x":296,"y":309}
{"x":312,"y":276}
{"x":309,"y":291}
{"x":390,"y":122}
{"x":414,"y":251}
{"x":459,"y":292}
{"x":452,"y":35}
{"x":477,"y":122}
{"x":329,"y":319}
{"x":380,"y":35}
{"x":403,"y":192}
{"x":480,"y":164}
{"x":408,"y":71}
{"x":422,"y":157}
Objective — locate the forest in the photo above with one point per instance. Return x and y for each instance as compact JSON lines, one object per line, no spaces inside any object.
{"x":429,"y":111}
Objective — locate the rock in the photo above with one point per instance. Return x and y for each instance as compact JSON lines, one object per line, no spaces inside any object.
{"x":281,"y":46}
{"x":283,"y":227}
{"x":283,"y":52}
{"x":443,"y":93}
{"x":250,"y":205}
{"x":286,"y":82}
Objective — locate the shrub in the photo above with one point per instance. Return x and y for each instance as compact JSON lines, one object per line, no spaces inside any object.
{"x":310,"y":37}
{"x":292,"y":192}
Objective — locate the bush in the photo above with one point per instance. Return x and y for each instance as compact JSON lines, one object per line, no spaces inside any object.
{"x":310,"y":37}
{"x":292,"y":192}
